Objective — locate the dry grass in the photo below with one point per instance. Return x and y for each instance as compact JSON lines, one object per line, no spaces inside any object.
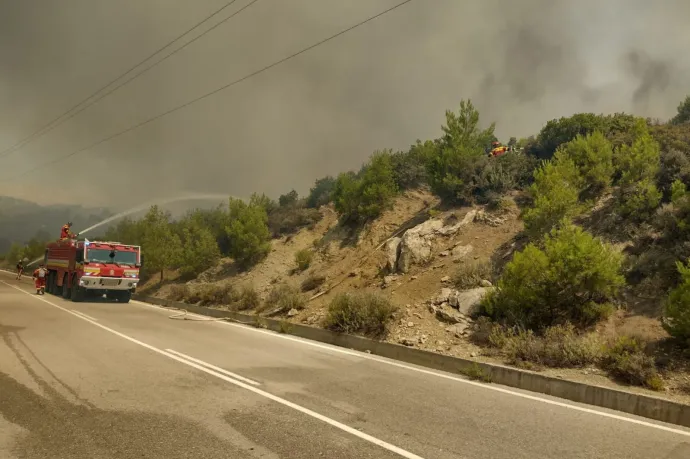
{"x":303,"y":259}
{"x":470,"y":274}
{"x":563,"y":346}
{"x":312,"y":282}
{"x":365,"y":313}
{"x":217,"y":295}
{"x":283,"y":298}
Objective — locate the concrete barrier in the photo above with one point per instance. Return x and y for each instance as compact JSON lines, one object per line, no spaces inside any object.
{"x":641,"y":405}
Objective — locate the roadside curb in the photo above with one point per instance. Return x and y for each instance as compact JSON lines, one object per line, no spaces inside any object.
{"x":641,"y":405}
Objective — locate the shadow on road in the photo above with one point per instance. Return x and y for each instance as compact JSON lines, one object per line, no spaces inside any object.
{"x":58,"y":428}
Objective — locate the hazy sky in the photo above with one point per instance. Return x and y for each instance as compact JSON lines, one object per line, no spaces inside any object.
{"x":382,"y":85}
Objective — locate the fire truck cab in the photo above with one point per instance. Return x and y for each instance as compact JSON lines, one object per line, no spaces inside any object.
{"x":80,"y":268}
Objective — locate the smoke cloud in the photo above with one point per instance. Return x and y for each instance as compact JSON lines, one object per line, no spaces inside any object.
{"x":522,"y":62}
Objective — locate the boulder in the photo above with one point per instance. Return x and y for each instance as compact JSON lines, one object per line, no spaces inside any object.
{"x":485,"y":283}
{"x":425,"y":229}
{"x":452,"y":229}
{"x":467,"y":301}
{"x":415,"y":245}
{"x":461,"y":251}
{"x":446,"y":314}
{"x":458,"y":330}
{"x":444,"y":296}
{"x":488,"y":219}
{"x":392,"y":252}
{"x":388,"y":281}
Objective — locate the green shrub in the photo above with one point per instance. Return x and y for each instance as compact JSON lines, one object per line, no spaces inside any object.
{"x":639,"y":201}
{"x":638,"y":161}
{"x":593,"y":156}
{"x":672,"y":137}
{"x":476,"y":373}
{"x":320,"y":193}
{"x":303,"y":259}
{"x":289,"y":220}
{"x":312,"y":282}
{"x":497,"y":176}
{"x":676,"y":319}
{"x":360,"y":199}
{"x":674,"y":166}
{"x":409,"y":168}
{"x":627,"y":362}
{"x":460,"y":155}
{"x":619,"y":129}
{"x":199,"y":250}
{"x":572,"y":279}
{"x":159,"y":242}
{"x":469,"y":275}
{"x":639,"y":165}
{"x":555,"y":193}
{"x":364,"y":313}
{"x":683,"y":115}
{"x":260,"y":200}
{"x":559,"y":131}
{"x":248,"y":232}
{"x":288,"y":199}
{"x":283,"y":298}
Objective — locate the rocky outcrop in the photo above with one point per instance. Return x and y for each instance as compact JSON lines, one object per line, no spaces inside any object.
{"x":461,"y":251}
{"x":488,"y":219}
{"x":452,"y":229}
{"x":414,"y":247}
{"x":392,"y":253}
{"x":467,"y":301}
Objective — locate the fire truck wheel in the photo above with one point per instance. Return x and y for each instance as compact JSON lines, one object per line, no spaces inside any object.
{"x":65,"y":287}
{"x":124,"y":297}
{"x":57,"y":290}
{"x":77,"y":294}
{"x":49,"y":282}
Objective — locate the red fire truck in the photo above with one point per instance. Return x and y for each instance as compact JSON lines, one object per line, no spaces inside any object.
{"x":78,"y":269}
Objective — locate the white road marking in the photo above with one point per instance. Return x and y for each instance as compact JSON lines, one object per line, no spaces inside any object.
{"x":84,"y":315}
{"x":213,"y":367}
{"x":401,"y":452}
{"x":448,"y":376}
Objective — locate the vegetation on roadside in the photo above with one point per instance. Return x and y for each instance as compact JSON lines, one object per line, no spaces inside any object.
{"x":362,"y":313}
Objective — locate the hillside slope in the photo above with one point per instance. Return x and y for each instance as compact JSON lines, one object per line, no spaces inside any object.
{"x":360,"y":263}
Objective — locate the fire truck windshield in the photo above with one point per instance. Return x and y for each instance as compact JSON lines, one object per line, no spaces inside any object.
{"x":103,"y":256}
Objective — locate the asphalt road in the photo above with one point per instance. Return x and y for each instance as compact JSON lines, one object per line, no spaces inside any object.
{"x":105,"y":380}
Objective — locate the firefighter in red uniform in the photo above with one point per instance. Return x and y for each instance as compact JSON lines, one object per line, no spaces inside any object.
{"x":40,"y":277}
{"x":66,"y":232}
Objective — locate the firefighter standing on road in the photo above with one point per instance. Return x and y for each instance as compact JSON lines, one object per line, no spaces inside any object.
{"x":66,"y":232}
{"x":40,"y":277}
{"x":20,"y":269}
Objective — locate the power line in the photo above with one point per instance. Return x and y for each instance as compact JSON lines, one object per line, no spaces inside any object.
{"x":215,"y":91}
{"x":56,"y":122}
